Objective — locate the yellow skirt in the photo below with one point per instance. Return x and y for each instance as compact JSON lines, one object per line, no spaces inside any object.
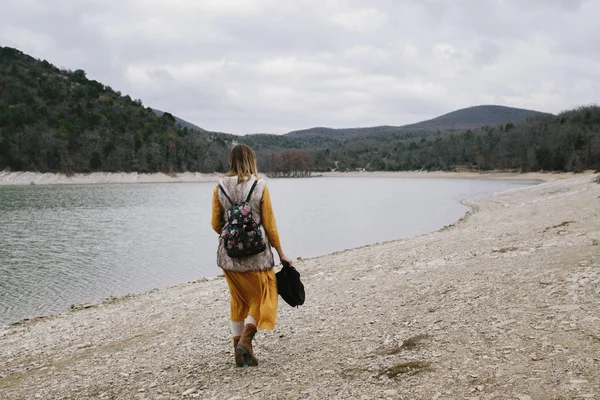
{"x":253,"y":293}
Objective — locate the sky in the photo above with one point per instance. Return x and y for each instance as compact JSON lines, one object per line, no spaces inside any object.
{"x":273,"y":66}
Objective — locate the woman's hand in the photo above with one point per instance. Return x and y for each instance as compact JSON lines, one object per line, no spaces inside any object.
{"x":285,"y":259}
{"x":282,"y":257}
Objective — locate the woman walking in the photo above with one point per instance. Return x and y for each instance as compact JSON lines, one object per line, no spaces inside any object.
{"x":251,"y":279}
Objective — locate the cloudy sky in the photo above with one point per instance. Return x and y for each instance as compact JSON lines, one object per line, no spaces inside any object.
{"x":246,"y":66}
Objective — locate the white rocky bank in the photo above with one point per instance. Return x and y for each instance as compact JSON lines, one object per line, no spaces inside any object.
{"x":503,"y":305}
{"x":8,"y":178}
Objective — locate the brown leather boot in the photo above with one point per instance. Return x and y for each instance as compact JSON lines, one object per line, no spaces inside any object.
{"x":239,"y":360}
{"x":244,"y":347}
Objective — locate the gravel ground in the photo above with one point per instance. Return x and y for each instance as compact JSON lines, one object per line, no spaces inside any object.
{"x":504,"y":304}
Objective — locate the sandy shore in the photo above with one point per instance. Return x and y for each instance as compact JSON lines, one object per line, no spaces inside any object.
{"x":37,"y":178}
{"x":502,"y":305}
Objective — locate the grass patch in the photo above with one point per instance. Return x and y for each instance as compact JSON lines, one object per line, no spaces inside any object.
{"x":414,"y":341}
{"x":406,"y":368}
{"x":505,"y":249}
{"x":446,"y":227}
{"x":564,"y":223}
{"x":408,"y":344}
{"x":116,"y":299}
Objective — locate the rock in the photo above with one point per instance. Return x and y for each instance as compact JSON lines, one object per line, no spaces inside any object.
{"x":505,"y":323}
{"x":566,"y":308}
{"x":188,"y":392}
{"x":523,"y":397}
{"x":390,"y":392}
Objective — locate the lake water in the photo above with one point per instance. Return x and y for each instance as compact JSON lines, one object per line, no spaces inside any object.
{"x":63,"y":245}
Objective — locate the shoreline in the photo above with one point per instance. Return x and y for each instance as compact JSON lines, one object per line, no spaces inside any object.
{"x":23,"y":178}
{"x":503,"y":304}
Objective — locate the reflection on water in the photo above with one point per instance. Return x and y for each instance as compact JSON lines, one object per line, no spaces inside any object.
{"x":61,"y":245}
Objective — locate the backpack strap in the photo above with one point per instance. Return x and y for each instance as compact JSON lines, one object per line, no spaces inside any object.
{"x":247,"y":198}
{"x":251,"y":190}
{"x":223,"y":191}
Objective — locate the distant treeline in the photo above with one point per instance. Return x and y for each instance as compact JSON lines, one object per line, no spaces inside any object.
{"x":53,"y":120}
{"x":569,"y":141}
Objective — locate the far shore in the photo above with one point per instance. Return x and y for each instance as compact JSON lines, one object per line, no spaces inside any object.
{"x":8,"y":178}
{"x":536,"y":176}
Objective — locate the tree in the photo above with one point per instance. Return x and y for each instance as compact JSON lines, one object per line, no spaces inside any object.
{"x":95,"y":161}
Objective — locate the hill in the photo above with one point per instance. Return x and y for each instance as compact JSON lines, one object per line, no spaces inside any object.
{"x":476,"y":117}
{"x":54,"y":120}
{"x":466,"y":118}
{"x":569,"y":141}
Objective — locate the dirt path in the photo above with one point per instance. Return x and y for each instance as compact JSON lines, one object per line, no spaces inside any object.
{"x":503,"y":305}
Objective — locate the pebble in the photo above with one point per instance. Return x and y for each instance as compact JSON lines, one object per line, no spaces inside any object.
{"x":577,"y":381}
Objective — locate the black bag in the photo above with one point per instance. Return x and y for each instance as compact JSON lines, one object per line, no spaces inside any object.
{"x":242,"y":235}
{"x":289,"y":285}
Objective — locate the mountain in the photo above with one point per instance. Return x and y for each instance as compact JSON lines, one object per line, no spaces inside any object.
{"x":466,"y":118}
{"x":475,"y":117}
{"x":181,"y":122}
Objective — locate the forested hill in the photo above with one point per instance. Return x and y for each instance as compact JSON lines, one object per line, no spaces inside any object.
{"x":466,"y":118}
{"x":57,"y":120}
{"x":569,"y":141}
{"x":54,"y":120}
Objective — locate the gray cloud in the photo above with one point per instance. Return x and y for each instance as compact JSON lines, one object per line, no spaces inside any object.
{"x":246,"y":66}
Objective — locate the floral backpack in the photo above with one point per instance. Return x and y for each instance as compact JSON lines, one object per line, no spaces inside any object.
{"x":242,"y":235}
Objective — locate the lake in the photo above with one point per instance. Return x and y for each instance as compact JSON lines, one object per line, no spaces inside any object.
{"x":63,"y":244}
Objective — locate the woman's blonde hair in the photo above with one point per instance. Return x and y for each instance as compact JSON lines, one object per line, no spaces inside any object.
{"x":242,"y":163}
